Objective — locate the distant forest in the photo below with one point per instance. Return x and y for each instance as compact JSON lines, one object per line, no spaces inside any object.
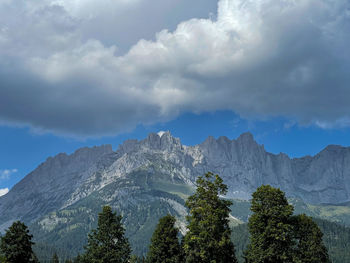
{"x":273,"y":234}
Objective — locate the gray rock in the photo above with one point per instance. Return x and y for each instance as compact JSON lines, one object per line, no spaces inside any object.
{"x":243,"y":164}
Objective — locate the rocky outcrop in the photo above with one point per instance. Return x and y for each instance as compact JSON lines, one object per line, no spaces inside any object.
{"x":49,"y":186}
{"x":244,"y":165}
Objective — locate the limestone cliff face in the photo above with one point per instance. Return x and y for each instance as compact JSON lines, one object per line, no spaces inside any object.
{"x":49,"y":186}
{"x":244,"y":165}
{"x":324,"y":178}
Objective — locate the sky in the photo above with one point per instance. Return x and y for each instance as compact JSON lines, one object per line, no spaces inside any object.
{"x":77,"y":73}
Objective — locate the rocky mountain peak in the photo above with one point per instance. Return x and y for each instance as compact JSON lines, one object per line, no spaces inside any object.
{"x":95,"y":150}
{"x":332,"y":148}
{"x":128,"y":146}
{"x":161,"y":133}
{"x":246,"y":138}
{"x":82,"y":155}
{"x":224,"y":139}
{"x":332,"y":152}
{"x":163,"y":141}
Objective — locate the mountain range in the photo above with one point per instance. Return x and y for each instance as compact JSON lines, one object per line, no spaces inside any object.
{"x":143,"y":180}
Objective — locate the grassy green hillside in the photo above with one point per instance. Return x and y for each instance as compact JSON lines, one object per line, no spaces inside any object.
{"x":334,"y":213}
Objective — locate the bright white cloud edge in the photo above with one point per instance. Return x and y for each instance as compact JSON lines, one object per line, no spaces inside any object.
{"x":258,"y":58}
{"x":4,"y":191}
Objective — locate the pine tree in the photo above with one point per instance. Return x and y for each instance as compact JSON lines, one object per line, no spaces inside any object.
{"x":16,"y":244}
{"x":165,"y":246}
{"x":78,"y":259}
{"x":55,"y":258}
{"x":208,"y":238}
{"x":271,"y":237}
{"x":107,"y":243}
{"x":2,"y":259}
{"x":136,"y":259}
{"x":310,"y":247}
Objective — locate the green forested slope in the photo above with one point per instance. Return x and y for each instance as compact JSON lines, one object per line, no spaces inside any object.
{"x":333,"y":213}
{"x":142,"y":198}
{"x":336,"y":238}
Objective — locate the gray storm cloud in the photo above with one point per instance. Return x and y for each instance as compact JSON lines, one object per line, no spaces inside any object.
{"x":257,"y":58}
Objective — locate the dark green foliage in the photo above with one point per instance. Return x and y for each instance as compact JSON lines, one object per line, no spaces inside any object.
{"x":107,"y":243}
{"x":16,"y":244}
{"x":240,"y":238}
{"x":208,"y":238}
{"x":241,"y":209}
{"x":55,"y":259}
{"x":136,"y":259}
{"x":336,"y":239}
{"x":277,"y":236}
{"x":34,"y":259}
{"x":310,"y":247}
{"x":67,"y":239}
{"x":2,"y":259}
{"x":165,"y":246}
{"x":271,"y":239}
{"x":333,"y":213}
{"x":45,"y":251}
{"x":79,"y":259}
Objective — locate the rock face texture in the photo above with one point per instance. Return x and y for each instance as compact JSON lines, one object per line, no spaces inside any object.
{"x":50,"y":185}
{"x":244,"y":165}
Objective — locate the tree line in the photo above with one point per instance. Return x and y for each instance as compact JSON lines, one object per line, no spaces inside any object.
{"x":276,"y":235}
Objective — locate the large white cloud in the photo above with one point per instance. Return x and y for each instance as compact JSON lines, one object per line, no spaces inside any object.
{"x":257,"y":58}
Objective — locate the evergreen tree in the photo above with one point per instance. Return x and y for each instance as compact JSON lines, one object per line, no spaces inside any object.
{"x":16,"y":244}
{"x":310,"y":247}
{"x":55,"y":258}
{"x":271,"y":237}
{"x":165,"y":246}
{"x":2,"y":259}
{"x":136,"y":259}
{"x":78,"y":259}
{"x":107,"y":243}
{"x":208,"y":238}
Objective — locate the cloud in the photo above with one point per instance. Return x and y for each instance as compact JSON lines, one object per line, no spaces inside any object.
{"x":4,"y":191}
{"x":259,"y":59}
{"x":5,"y":174}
